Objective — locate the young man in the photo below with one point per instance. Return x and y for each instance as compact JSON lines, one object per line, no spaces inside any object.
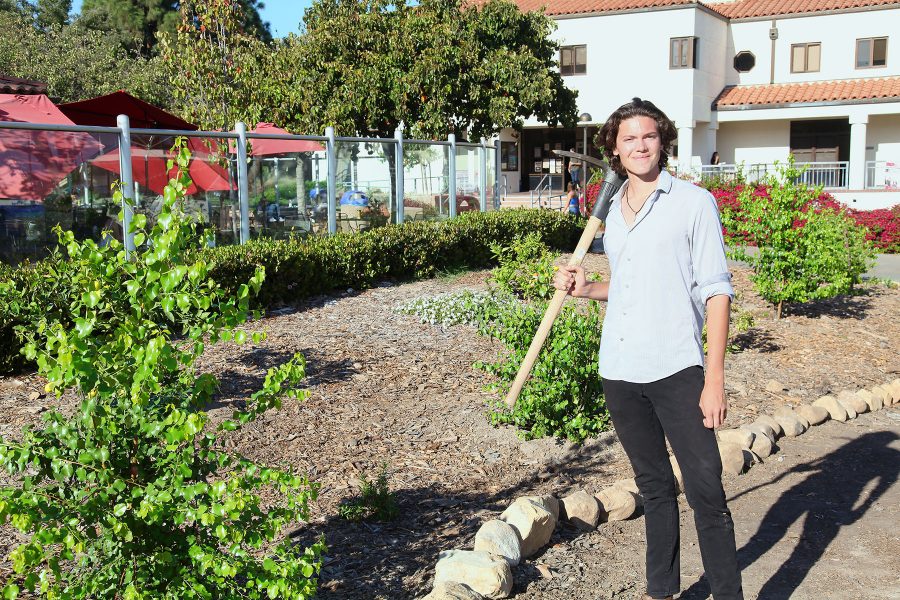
{"x":667,"y":259}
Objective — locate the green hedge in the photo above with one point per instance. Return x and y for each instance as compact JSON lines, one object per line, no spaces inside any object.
{"x":312,"y":266}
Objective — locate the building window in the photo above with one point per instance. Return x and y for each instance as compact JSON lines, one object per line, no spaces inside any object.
{"x":871,"y":52}
{"x":509,"y":156}
{"x":573,"y":60}
{"x":805,"y":58}
{"x":683,"y":53}
{"x":744,"y":61}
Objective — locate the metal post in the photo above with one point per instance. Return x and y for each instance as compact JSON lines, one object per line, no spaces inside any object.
{"x":497,"y":174}
{"x":127,"y":182}
{"x":243,"y":184}
{"x":398,"y":168}
{"x":331,"y":162}
{"x":451,"y":185}
{"x":277,"y":195}
{"x":482,"y":179}
{"x":584,"y":167}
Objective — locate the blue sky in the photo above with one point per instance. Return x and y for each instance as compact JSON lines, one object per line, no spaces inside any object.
{"x":283,"y":16}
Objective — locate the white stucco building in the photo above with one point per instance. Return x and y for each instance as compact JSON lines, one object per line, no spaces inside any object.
{"x":754,"y":80}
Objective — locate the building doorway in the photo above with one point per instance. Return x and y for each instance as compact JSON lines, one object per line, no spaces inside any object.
{"x":540,"y":164}
{"x":826,"y":144}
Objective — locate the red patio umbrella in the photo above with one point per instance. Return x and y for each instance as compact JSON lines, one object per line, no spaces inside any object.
{"x":32,"y":163}
{"x":148,"y":167}
{"x":103,"y":111}
{"x":261,"y":147}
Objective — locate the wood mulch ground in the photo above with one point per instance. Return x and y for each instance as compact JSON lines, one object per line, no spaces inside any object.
{"x":386,"y":389}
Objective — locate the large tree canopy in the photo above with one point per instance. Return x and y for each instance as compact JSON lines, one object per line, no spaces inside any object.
{"x":75,"y":62}
{"x":439,"y":66}
{"x":140,"y":21}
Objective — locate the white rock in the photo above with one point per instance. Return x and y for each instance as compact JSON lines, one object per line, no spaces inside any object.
{"x":734,"y":458}
{"x":451,"y":590}
{"x":487,"y":574}
{"x":775,"y":386}
{"x":847,"y":406}
{"x":792,"y":424}
{"x":835,"y":409}
{"x":616,"y":504}
{"x":883,"y":393}
{"x":872,"y":401}
{"x":815,"y":415}
{"x":676,"y":470}
{"x":534,"y":523}
{"x":854,"y":400}
{"x":548,"y":501}
{"x":500,"y":538}
{"x":894,"y":389}
{"x":629,"y":485}
{"x":771,"y":424}
{"x":581,"y":509}
{"x":762,"y":444}
{"x":741,"y":437}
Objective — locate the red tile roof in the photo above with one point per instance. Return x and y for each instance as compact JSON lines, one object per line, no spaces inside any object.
{"x":818,"y":91}
{"x":739,"y":9}
{"x":16,"y":85}
{"x":579,"y":7}
{"x":742,"y":9}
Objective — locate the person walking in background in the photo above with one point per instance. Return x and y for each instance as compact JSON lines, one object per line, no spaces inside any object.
{"x":668,"y":274}
{"x":575,"y":171}
{"x":572,"y":200}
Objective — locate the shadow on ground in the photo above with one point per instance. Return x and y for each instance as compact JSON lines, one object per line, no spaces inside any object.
{"x":396,"y":559}
{"x":839,"y":489}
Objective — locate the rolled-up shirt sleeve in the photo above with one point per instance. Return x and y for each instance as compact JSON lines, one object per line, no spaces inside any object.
{"x":708,"y":253}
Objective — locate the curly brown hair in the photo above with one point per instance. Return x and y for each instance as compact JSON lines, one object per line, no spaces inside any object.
{"x":636,"y":108}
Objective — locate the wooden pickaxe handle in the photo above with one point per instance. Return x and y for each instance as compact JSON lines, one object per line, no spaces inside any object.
{"x":611,"y":183}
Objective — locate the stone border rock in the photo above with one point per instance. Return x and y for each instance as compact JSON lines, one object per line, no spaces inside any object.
{"x":528,"y":523}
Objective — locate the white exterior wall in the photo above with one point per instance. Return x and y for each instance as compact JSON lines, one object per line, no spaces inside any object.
{"x":754,"y":142}
{"x":884,"y":138}
{"x":836,"y":32}
{"x":628,"y":56}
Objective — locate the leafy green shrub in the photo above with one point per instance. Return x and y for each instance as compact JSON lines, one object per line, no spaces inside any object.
{"x":805,"y":251}
{"x":134,"y":494}
{"x":564,"y":395}
{"x":525,"y":268}
{"x":375,"y":501}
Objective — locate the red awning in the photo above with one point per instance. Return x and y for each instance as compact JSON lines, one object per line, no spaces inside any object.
{"x":268,"y":147}
{"x":148,"y":168}
{"x":103,"y":111}
{"x":32,"y":163}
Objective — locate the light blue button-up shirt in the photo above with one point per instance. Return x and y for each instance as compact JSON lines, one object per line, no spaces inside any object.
{"x":664,"y":269}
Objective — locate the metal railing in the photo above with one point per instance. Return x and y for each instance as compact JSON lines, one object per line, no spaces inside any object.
{"x":234,"y":190}
{"x":542,"y":187}
{"x":882,"y":175}
{"x":830,"y":175}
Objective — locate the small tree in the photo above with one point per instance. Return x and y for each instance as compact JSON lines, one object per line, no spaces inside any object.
{"x":133,"y":496}
{"x":805,"y":251}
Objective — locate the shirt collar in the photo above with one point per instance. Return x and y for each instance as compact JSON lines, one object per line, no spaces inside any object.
{"x":663,"y":185}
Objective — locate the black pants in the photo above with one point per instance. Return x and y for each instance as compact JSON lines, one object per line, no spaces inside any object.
{"x":644,"y":414}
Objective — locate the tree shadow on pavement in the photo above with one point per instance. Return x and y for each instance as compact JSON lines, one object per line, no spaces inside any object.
{"x":854,"y":306}
{"x":839,"y":490}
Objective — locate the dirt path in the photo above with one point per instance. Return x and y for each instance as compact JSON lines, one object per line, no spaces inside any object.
{"x":387,"y":389}
{"x":816,"y":520}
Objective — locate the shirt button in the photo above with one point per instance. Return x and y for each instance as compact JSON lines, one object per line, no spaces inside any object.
{"x":621,"y":339}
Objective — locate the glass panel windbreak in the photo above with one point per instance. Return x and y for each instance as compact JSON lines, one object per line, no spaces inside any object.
{"x":288,"y":190}
{"x":468,"y":167}
{"x":50,"y":178}
{"x":425,"y":182}
{"x":211,"y":198}
{"x":365,"y":188}
{"x":493,"y":200}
